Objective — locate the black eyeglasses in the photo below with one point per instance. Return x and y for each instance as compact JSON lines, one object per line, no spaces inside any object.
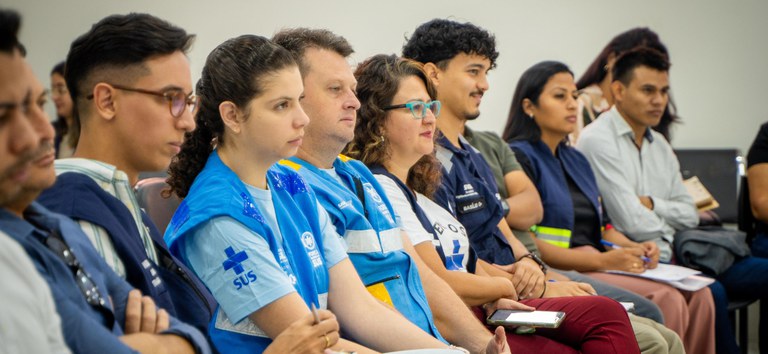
{"x":419,"y":108}
{"x":177,"y":99}
{"x":89,"y":289}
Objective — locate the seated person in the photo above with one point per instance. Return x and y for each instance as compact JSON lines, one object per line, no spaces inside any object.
{"x":638,"y":177}
{"x":382,"y":254}
{"x":757,"y":176}
{"x":594,"y":85}
{"x":398,"y":103}
{"x":67,"y":132}
{"x":541,"y":117}
{"x":100,"y":312}
{"x":253,"y":231}
{"x":128,"y":73}
{"x":29,"y":319}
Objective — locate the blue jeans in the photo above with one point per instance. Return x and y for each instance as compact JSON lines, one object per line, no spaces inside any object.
{"x":760,"y":245}
{"x":746,"y":279}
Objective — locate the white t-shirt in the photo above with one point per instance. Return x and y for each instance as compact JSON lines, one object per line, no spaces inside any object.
{"x":451,"y":234}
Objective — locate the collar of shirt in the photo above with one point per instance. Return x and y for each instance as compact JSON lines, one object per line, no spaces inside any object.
{"x":14,"y":226}
{"x":101,"y":171}
{"x":621,"y":127}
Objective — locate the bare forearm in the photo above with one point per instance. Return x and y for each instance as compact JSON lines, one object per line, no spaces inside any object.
{"x":471,"y":288}
{"x":517,"y":247}
{"x":525,"y":210}
{"x":453,"y":319}
{"x":758,"y":190}
{"x":158,"y":343}
{"x":567,"y":259}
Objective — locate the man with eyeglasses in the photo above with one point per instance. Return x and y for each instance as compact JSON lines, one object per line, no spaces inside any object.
{"x":130,"y":82}
{"x":359,"y":209}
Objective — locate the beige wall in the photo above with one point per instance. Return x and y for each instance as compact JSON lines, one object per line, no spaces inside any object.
{"x":718,"y":48}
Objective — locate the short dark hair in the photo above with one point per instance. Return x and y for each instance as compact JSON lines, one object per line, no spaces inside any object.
{"x":234,"y":71}
{"x":439,"y":40}
{"x":624,"y":68}
{"x":119,"y":44}
{"x":298,"y":40}
{"x":10,"y":22}
{"x":59,"y":68}
{"x":519,"y":125}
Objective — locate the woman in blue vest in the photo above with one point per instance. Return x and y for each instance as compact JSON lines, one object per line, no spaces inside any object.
{"x":252,"y":230}
{"x":574,"y":231}
{"x":395,"y":138}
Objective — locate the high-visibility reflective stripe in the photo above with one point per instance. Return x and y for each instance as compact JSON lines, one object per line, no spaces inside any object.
{"x":290,"y":164}
{"x":367,"y":241}
{"x":554,"y":236}
{"x":247,"y":327}
{"x":391,"y":240}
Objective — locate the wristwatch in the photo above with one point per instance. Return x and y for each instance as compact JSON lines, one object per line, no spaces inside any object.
{"x":536,"y":259}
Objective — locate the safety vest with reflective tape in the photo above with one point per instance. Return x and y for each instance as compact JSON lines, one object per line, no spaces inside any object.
{"x":371,"y":234}
{"x":548,"y":173}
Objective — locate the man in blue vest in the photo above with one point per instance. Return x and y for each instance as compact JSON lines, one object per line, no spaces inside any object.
{"x":131,"y":86}
{"x":384,"y":258}
{"x":100,"y":312}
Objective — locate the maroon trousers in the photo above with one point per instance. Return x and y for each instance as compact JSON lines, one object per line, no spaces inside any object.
{"x":593,"y":324}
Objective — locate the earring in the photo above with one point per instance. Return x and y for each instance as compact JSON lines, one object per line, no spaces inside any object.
{"x":382,"y":138}
{"x":531,"y":115}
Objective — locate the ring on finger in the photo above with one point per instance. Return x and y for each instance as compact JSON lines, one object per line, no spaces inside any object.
{"x":327,"y":341}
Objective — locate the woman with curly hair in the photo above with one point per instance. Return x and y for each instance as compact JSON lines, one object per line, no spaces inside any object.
{"x":394,"y":136}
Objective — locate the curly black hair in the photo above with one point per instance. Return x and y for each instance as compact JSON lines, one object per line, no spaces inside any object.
{"x":439,"y":40}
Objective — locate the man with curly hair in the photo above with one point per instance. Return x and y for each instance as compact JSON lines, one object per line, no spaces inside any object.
{"x":457,"y":57}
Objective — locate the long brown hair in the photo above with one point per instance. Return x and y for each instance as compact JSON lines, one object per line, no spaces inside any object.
{"x":378,"y":79}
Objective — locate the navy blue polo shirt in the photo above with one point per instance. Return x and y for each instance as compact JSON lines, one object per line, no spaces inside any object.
{"x":468,"y":191}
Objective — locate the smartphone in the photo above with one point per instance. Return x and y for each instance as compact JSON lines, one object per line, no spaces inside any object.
{"x":513,"y":318}
{"x":629,"y":306}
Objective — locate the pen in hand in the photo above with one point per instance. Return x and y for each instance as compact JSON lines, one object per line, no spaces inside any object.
{"x":314,"y":313}
{"x":613,"y":245}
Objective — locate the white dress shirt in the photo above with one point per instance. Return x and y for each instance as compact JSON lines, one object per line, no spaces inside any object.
{"x":625,"y":172}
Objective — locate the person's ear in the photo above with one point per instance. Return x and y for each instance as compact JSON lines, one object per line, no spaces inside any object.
{"x":528,"y":107}
{"x":229,"y":115}
{"x":433,"y":73}
{"x":104,"y":101}
{"x":617,"y":90}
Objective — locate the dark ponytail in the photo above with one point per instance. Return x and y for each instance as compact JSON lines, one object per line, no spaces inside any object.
{"x":233,"y":72}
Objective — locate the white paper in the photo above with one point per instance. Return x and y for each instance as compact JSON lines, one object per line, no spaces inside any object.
{"x":664,"y":272}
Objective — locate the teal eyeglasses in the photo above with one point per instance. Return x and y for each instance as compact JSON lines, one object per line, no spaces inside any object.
{"x":419,"y":108}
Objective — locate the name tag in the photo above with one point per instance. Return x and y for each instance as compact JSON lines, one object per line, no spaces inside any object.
{"x":470,"y":206}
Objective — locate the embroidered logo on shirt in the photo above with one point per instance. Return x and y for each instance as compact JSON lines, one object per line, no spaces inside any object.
{"x":309,"y":243}
{"x":249,"y":209}
{"x":235,"y":261}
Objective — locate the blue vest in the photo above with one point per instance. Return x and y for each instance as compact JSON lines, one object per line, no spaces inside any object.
{"x":468,"y":190}
{"x":217,"y":191}
{"x":372,"y":236}
{"x":548,"y":173}
{"x":180,"y":293}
